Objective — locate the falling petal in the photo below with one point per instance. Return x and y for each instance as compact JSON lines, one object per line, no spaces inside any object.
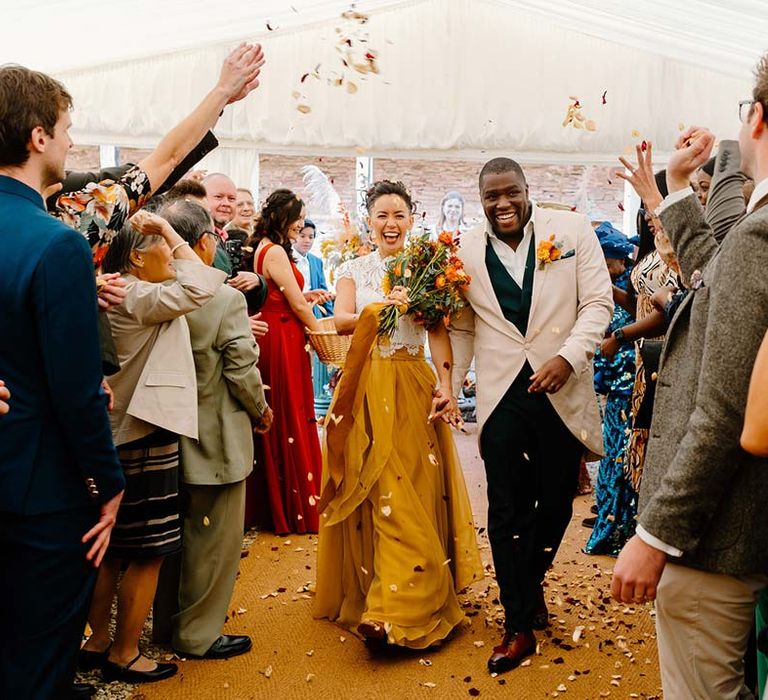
{"x":386,"y":511}
{"x":304,"y":109}
{"x":603,"y":97}
{"x":433,"y":459}
{"x":393,"y":587}
{"x":635,"y":134}
{"x":206,"y":521}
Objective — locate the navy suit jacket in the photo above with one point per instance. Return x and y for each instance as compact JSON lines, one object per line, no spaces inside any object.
{"x":56,"y":449}
{"x":317,"y":281}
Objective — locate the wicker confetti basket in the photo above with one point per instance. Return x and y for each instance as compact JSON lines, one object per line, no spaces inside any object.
{"x":330,"y":347}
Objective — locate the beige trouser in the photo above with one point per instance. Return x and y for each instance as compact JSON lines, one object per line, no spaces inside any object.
{"x":703,"y":622}
{"x":211,"y":544}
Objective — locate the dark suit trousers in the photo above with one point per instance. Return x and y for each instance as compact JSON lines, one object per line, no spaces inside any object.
{"x":532,"y":466}
{"x":45,"y":591}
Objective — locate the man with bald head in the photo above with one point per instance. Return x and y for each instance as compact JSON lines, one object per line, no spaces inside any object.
{"x":221,"y":195}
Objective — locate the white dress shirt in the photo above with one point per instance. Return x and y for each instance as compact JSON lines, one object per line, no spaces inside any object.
{"x":513,"y":260}
{"x":302,"y":262}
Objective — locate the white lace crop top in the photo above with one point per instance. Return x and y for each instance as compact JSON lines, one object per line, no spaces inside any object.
{"x":367,"y":273}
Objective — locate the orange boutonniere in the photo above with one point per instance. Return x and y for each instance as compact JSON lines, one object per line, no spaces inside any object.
{"x":550,"y":250}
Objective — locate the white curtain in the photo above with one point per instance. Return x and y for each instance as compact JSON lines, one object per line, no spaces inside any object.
{"x":459,"y":78}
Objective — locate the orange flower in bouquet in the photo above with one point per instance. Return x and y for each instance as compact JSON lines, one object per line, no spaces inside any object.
{"x":434,"y":278}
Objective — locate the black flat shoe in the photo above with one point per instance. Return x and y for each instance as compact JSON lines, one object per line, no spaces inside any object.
{"x":593,"y":509}
{"x":589,"y":522}
{"x":82,"y":691}
{"x":115,"y":672}
{"x":88,"y":660}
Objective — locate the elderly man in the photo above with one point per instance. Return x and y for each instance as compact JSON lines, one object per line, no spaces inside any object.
{"x":214,"y":467}
{"x":221,"y":197}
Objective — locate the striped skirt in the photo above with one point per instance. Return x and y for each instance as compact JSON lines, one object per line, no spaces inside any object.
{"x":148,"y":523}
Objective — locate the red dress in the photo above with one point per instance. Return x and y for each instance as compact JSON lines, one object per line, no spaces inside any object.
{"x":288,"y":457}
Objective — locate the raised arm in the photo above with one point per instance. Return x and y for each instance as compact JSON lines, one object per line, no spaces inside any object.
{"x":238,"y":77}
{"x":726,"y":204}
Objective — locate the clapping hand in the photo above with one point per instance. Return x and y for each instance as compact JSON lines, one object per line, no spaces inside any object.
{"x":111,"y":291}
{"x":240,"y":71}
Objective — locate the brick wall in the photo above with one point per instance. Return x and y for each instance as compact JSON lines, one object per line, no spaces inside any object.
{"x":428,"y":180}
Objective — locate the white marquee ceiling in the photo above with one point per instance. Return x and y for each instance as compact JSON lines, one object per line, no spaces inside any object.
{"x":459,"y":78}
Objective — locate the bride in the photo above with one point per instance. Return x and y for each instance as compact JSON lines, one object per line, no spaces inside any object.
{"x":397,"y":538}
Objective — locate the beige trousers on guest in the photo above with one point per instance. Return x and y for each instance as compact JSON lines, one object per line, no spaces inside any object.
{"x":211,"y":544}
{"x":703,"y":622}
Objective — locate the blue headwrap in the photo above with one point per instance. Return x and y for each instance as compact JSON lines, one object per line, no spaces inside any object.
{"x":613,"y":242}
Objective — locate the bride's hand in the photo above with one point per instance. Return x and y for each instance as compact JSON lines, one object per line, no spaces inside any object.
{"x":444,"y":405}
{"x":398,"y":297}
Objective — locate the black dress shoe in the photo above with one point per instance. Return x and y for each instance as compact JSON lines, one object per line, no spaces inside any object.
{"x":82,"y":691}
{"x":589,"y":522}
{"x":593,"y":509}
{"x":115,"y":672}
{"x":229,"y":645}
{"x":89,"y":660}
{"x":225,"y":647}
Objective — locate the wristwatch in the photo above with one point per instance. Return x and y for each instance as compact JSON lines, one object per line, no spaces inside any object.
{"x":619,"y":335}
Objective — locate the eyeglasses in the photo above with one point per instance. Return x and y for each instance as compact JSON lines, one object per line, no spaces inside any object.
{"x":743,"y":116}
{"x":210,"y":233}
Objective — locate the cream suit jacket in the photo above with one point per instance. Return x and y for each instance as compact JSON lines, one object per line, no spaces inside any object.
{"x":571,"y":307}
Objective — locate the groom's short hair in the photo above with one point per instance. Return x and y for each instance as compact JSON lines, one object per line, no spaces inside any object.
{"x":501,"y":165}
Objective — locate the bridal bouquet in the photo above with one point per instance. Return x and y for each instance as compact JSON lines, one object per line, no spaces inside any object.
{"x":434,"y":277}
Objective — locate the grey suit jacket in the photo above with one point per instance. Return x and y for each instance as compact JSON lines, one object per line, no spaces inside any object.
{"x":725,"y":205}
{"x":229,"y":392}
{"x":701,"y":492}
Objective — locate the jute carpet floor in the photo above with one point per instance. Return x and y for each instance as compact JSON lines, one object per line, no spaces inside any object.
{"x":593,"y":649}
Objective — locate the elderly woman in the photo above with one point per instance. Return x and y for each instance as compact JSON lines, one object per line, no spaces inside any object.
{"x":155,"y":401}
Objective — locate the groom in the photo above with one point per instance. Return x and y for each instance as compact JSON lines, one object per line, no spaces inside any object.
{"x":539,"y":304}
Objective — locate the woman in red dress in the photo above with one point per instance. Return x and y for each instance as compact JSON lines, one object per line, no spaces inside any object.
{"x":288,"y":458}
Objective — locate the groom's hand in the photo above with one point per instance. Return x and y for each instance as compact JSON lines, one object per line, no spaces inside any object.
{"x":551,"y":377}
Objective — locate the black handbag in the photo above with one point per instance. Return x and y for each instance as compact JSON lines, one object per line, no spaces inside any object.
{"x":650,"y":353}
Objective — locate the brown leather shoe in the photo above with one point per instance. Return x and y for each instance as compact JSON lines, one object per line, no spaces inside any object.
{"x":541,"y":614}
{"x":513,"y":649}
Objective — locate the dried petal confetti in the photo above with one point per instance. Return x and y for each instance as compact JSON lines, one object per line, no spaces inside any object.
{"x":433,"y":459}
{"x":386,"y":511}
{"x":393,"y":587}
{"x":635,"y":134}
{"x":206,"y":521}
{"x":604,"y":101}
{"x":304,"y":109}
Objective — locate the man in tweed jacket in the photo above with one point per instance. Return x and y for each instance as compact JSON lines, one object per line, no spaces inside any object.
{"x":701,"y":546}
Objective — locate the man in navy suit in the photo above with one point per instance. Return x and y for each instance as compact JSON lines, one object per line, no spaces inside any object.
{"x":60,"y":478}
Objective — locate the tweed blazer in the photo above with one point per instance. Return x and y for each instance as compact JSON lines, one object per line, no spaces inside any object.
{"x":570,"y":309}
{"x":230,"y":393}
{"x":700,"y":491}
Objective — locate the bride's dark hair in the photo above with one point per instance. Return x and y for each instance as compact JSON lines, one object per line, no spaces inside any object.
{"x":385,"y":187}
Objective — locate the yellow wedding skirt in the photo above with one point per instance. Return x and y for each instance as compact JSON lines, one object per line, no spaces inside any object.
{"x":397,"y":537}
